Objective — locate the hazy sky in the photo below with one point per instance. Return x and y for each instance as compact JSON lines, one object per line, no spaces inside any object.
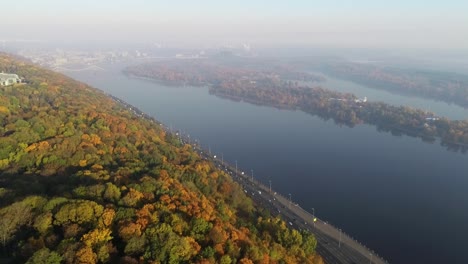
{"x":345,"y":23}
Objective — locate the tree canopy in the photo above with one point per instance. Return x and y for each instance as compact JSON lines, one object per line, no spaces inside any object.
{"x":86,"y":179}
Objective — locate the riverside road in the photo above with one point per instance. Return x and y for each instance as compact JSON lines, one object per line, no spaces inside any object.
{"x":332,"y":244}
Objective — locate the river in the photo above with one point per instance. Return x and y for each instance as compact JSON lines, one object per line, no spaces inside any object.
{"x":401,"y":197}
{"x":440,"y":108}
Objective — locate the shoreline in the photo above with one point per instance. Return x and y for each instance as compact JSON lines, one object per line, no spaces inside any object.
{"x":457,"y":146}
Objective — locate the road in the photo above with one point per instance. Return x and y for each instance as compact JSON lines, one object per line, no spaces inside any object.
{"x":332,"y":244}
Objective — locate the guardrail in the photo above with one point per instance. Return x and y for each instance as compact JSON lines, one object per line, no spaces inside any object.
{"x":335,"y":232}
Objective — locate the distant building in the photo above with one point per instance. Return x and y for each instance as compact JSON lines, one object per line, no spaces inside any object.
{"x":9,"y":79}
{"x":364,"y":100}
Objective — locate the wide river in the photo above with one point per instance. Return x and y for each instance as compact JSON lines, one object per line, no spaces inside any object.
{"x":405,"y":199}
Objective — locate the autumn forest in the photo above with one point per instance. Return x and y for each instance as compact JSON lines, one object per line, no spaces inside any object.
{"x":85,"y":180}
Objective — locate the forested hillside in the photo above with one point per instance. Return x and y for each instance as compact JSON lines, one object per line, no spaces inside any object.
{"x":83,"y":179}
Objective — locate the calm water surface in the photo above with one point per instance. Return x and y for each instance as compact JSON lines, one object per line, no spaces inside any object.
{"x":404,"y":198}
{"x":441,"y":108}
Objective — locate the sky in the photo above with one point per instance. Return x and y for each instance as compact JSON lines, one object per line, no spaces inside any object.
{"x":410,"y":24}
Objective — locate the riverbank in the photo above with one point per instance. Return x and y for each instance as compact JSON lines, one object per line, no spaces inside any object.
{"x":334,"y":245}
{"x":374,"y":185}
{"x":367,"y":113}
{"x":262,"y":88}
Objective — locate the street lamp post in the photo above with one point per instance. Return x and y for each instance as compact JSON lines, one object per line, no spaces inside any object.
{"x":289,"y":205}
{"x":339,"y":242}
{"x":313,"y":216}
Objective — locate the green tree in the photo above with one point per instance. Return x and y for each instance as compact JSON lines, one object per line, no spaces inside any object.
{"x":199,"y":228}
{"x":43,"y":222}
{"x":112,"y":193}
{"x":135,"y":245}
{"x":166,"y":246}
{"x":226,"y":259}
{"x":79,"y":212}
{"x":309,"y":243}
{"x":45,"y":256}
{"x":208,"y":252}
{"x":12,"y":218}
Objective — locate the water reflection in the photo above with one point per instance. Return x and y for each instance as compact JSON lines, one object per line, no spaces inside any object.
{"x":402,"y":197}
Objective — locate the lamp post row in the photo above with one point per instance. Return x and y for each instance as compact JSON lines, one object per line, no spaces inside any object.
{"x":290,"y":201}
{"x":290,"y":197}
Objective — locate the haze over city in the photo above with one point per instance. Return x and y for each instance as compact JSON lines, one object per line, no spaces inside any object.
{"x":352,"y":24}
{"x":321,"y":132}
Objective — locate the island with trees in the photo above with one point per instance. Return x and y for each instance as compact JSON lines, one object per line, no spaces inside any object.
{"x":86,"y":179}
{"x":436,"y":85}
{"x":253,"y":85}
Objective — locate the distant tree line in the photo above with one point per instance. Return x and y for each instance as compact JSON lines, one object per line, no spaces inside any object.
{"x":256,"y":87}
{"x":440,"y":86}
